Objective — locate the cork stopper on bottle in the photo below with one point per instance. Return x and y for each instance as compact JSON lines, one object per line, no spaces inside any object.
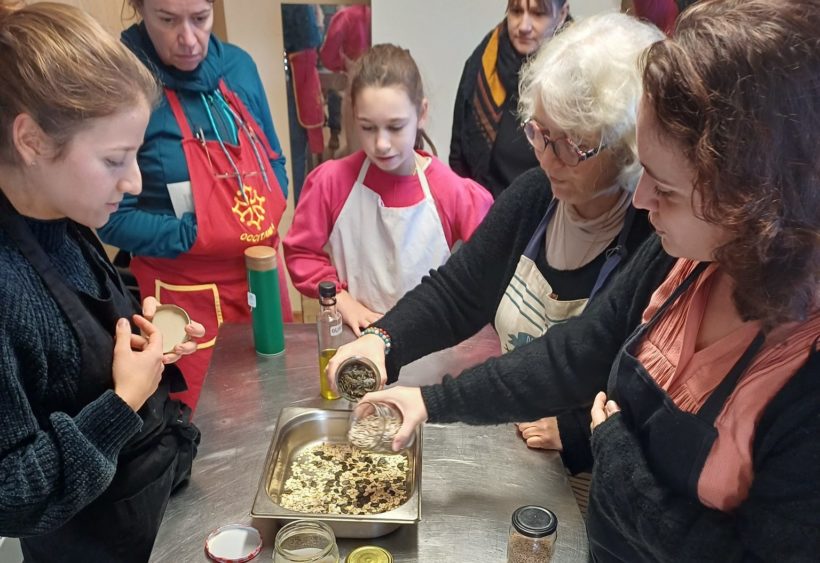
{"x":260,"y":258}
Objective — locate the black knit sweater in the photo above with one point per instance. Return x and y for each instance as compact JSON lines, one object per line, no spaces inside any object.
{"x":56,"y":453}
{"x":780,"y":519}
{"x":462,"y":296}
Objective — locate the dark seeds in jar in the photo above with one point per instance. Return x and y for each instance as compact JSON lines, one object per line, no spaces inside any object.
{"x":355,"y":379}
{"x":522,"y":549}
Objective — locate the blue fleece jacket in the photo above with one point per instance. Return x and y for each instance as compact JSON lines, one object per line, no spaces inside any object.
{"x":146,"y":225}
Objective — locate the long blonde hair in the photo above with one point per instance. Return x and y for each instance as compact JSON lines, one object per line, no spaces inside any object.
{"x":62,"y":68}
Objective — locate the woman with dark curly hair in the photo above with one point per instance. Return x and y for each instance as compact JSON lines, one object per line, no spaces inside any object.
{"x":707,"y":343}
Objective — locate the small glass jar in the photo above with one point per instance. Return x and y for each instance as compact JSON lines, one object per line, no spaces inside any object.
{"x":305,"y":541}
{"x":373,"y":426}
{"x":357,"y":376}
{"x":532,"y":535}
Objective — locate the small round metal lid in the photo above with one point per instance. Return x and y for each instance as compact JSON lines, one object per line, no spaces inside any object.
{"x":369,"y":554}
{"x":534,"y":521}
{"x":355,"y":377}
{"x":233,"y":543}
{"x":171,"y":322}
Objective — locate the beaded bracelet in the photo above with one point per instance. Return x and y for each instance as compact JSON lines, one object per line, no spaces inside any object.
{"x":381,"y":333}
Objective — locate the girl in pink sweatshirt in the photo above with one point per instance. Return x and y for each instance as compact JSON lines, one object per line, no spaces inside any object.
{"x":378,"y":220}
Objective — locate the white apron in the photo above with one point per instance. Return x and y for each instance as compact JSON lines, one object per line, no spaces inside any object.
{"x":383,"y":252}
{"x":528,"y":309}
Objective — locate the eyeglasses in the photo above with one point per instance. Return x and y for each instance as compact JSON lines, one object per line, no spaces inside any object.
{"x":564,"y":149}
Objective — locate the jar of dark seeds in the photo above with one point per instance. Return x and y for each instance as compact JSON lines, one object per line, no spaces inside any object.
{"x":357,"y":376}
{"x":373,"y":426}
{"x":532,"y":535}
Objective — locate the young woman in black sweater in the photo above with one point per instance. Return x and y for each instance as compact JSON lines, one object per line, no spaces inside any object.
{"x":91,"y":444}
{"x":707,"y":437}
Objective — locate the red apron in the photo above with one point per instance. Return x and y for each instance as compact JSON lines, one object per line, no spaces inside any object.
{"x":307,"y":91}
{"x":209,"y":281}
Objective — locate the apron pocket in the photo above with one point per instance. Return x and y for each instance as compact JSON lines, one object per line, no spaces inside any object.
{"x":201,"y":302}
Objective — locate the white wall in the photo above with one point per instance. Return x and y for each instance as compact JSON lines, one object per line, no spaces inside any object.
{"x":441,"y":34}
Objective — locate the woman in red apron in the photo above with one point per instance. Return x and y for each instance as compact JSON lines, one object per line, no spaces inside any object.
{"x":212,"y":173}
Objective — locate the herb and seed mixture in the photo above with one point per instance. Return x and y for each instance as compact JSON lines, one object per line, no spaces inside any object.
{"x":355,"y":379}
{"x":333,"y":478}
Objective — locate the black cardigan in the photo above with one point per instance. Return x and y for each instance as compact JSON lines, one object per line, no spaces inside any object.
{"x":461,"y":297}
{"x":780,"y":519}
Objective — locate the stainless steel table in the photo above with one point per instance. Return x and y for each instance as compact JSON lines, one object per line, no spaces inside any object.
{"x":473,"y":477}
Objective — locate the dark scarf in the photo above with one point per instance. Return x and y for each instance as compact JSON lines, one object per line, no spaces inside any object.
{"x":496,"y":83}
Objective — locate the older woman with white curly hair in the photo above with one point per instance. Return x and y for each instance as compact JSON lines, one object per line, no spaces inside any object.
{"x":551,"y":241}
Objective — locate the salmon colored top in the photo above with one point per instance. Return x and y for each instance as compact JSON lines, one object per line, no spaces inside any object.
{"x":689,"y":377}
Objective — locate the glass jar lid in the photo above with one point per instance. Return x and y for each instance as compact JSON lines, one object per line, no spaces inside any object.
{"x":233,"y":543}
{"x":534,"y":521}
{"x":355,"y":377}
{"x":369,"y":554}
{"x":171,"y":321}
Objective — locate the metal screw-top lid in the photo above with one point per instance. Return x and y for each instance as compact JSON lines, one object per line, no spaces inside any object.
{"x":327,"y":289}
{"x":534,"y":521}
{"x":369,"y":554}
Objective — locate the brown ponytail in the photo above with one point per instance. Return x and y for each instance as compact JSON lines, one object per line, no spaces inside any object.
{"x":387,"y":65}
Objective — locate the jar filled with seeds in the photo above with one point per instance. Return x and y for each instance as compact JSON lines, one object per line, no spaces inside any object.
{"x":532,"y":535}
{"x":357,"y":376}
{"x":373,"y":426}
{"x":305,"y":541}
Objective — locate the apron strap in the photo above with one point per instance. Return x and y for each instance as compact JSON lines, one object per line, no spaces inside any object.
{"x":363,"y":170}
{"x":710,"y":410}
{"x":614,"y":256}
{"x":114,"y":275}
{"x":690,"y":279}
{"x":179,"y":114}
{"x":247,"y":117}
{"x":14,"y":225}
{"x":531,"y":251}
{"x":425,"y":186}
{"x":638,"y":333}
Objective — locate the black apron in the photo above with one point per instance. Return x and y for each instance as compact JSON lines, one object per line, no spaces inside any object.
{"x":122,"y":523}
{"x":676,"y":443}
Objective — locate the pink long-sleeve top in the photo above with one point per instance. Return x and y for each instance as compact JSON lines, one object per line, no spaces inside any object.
{"x":461,"y":205}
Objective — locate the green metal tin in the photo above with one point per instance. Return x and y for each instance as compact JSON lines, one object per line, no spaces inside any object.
{"x":263,"y":298}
